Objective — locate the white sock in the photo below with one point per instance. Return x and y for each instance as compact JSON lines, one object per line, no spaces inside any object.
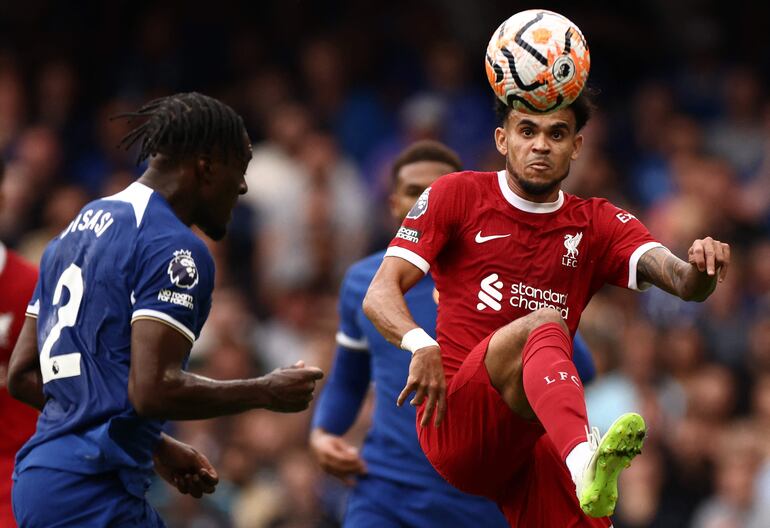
{"x":578,"y":459}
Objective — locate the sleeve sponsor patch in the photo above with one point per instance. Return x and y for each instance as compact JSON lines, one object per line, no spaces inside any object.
{"x":625,"y":217}
{"x":181,"y":299}
{"x":182,"y":270}
{"x":420,"y":206}
{"x":412,"y":235}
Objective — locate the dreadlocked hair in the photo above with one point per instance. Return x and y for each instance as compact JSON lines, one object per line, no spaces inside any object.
{"x":184,"y":124}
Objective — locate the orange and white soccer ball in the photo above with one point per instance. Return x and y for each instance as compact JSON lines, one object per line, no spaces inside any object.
{"x":537,"y":61}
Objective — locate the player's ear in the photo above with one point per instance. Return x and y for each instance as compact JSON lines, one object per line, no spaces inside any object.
{"x":393,"y":205}
{"x":577,"y":144}
{"x":500,"y":141}
{"x":203,"y":168}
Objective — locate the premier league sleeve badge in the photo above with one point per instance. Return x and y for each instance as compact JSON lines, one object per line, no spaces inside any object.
{"x":182,"y":270}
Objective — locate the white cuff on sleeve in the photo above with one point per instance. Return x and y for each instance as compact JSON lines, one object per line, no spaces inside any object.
{"x":34,"y":309}
{"x":634,"y":260}
{"x":409,"y":256}
{"x":164,"y":318}
{"x":345,"y":340}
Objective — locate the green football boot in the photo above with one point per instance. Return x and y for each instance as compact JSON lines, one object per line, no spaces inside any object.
{"x":597,"y":491}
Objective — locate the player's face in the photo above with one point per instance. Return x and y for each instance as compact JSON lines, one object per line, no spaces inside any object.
{"x":411,"y":181}
{"x":538,"y":150}
{"x":220,"y":195}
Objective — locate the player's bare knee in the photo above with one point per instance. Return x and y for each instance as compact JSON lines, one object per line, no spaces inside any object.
{"x":510,"y":339}
{"x":545,"y":316}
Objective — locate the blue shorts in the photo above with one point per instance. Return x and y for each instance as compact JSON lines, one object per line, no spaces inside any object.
{"x":49,"y":498}
{"x":381,"y":503}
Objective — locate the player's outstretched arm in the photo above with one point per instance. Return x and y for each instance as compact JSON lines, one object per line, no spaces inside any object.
{"x":25,"y":382}
{"x":159,"y":388}
{"x":386,"y":308}
{"x":708,"y":260}
{"x":384,"y":303}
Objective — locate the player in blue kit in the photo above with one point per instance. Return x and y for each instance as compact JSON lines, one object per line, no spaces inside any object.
{"x":395,"y":485}
{"x":123,"y":292}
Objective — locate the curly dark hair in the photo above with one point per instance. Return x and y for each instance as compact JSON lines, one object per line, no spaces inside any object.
{"x":184,"y":124}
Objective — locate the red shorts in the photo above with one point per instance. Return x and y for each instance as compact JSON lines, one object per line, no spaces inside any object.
{"x":483,"y":448}
{"x":6,"y":512}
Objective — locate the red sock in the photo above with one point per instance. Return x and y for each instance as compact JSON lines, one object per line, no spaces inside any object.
{"x":553,"y":387}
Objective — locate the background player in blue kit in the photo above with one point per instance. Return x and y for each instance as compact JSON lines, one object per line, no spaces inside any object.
{"x":123,"y":292}
{"x":395,"y":485}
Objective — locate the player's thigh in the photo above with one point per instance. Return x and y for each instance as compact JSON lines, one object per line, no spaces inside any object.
{"x":447,"y":508}
{"x":503,"y":359}
{"x":544,"y":495}
{"x":49,"y":498}
{"x":372,"y":503}
{"x":481,"y":444}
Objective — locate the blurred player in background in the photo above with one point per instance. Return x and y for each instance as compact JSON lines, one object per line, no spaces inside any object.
{"x":395,"y":484}
{"x":123,"y":293}
{"x":502,"y":390}
{"x":17,"y":282}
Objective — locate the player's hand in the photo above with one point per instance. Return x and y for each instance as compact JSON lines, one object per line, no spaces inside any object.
{"x":336,"y":456}
{"x":184,"y":467}
{"x":290,"y":389}
{"x":710,"y":256}
{"x":426,"y":379}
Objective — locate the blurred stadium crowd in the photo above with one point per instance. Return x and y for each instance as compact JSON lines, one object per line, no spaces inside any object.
{"x":330,"y":92}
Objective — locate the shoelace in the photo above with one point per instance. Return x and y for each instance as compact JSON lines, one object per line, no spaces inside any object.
{"x":593,"y":437}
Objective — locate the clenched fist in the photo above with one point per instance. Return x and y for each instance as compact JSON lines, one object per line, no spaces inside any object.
{"x":290,"y":389}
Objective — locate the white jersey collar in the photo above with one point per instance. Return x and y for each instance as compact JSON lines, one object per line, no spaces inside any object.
{"x":138,"y":195}
{"x":525,"y":205}
{"x":3,"y":257}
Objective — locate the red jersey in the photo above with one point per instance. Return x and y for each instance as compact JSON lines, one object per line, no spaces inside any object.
{"x":496,"y":257}
{"x":17,"y":282}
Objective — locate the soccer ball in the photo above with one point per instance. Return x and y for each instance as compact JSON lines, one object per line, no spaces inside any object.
{"x":537,"y":61}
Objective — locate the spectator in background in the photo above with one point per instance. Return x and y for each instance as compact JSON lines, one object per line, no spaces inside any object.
{"x":63,"y":205}
{"x":652,"y":105}
{"x":57,"y":91}
{"x":12,"y":101}
{"x":339,"y":105}
{"x":738,"y":135}
{"x":36,"y":164}
{"x":310,"y":205}
{"x":261,"y":94}
{"x":104,"y":158}
{"x":733,"y":504}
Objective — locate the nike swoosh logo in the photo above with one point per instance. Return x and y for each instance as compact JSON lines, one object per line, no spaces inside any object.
{"x":481,"y":239}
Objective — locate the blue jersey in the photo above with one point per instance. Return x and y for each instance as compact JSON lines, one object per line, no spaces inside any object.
{"x":391,"y":449}
{"x":123,"y":258}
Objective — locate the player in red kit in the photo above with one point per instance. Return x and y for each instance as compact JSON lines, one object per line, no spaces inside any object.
{"x":17,"y":282}
{"x":516,"y":260}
